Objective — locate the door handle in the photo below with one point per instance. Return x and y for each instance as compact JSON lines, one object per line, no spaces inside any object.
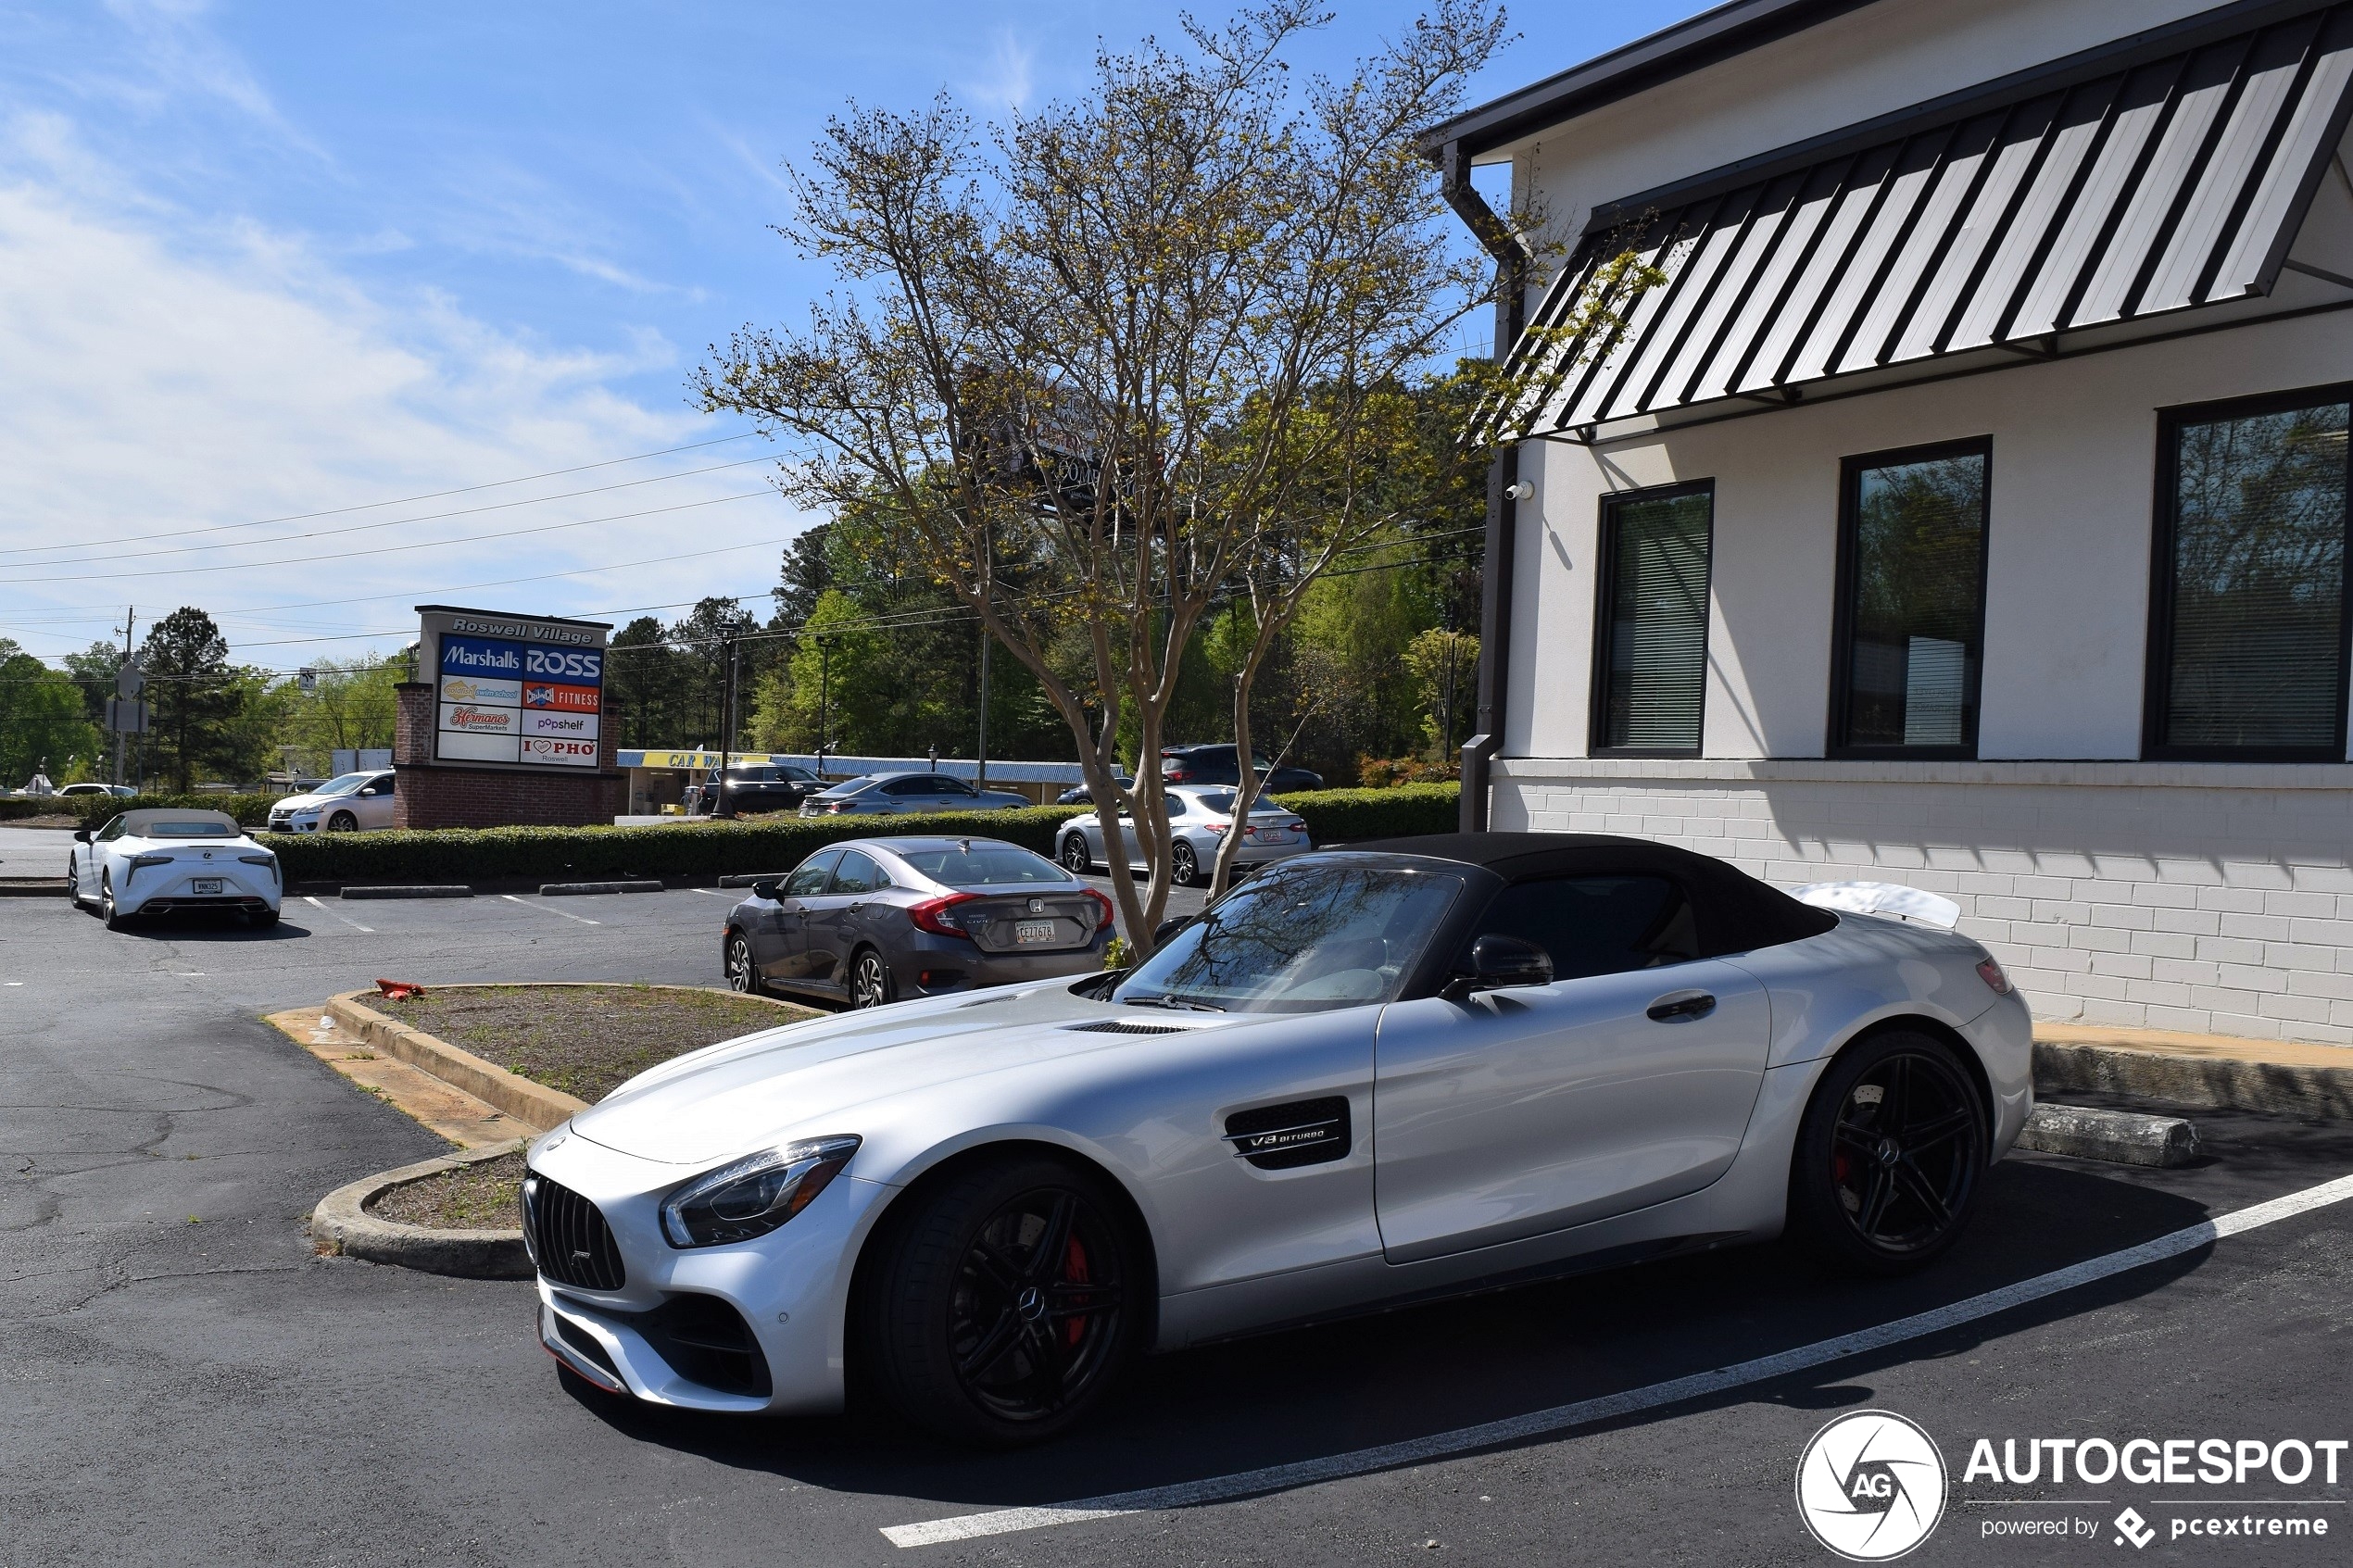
{"x":1683,"y":1004}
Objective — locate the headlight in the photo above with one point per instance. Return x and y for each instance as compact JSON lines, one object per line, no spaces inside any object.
{"x":755,"y":1195}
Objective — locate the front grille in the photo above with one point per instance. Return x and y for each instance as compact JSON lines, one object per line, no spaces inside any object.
{"x":570,"y":1241}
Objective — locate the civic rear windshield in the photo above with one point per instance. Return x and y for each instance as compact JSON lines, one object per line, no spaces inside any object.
{"x":981,"y":867}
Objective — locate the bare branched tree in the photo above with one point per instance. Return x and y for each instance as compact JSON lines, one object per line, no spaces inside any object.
{"x":1116,"y":359}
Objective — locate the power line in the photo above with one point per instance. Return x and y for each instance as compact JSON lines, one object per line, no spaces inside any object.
{"x":363,"y":527}
{"x":387,"y":549}
{"x":371,"y":506}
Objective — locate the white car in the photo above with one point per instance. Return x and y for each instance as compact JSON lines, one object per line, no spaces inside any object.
{"x":349,"y":804}
{"x":900,"y":794}
{"x":1200,"y":816}
{"x":120,"y":792}
{"x":1389,"y":1072}
{"x":163,"y":857}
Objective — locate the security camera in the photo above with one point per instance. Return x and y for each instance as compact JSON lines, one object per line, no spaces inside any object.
{"x":1523,"y":491}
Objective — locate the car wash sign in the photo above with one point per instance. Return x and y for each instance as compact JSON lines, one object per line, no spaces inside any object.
{"x":521,"y":690}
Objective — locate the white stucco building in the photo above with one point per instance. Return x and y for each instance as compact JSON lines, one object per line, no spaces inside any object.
{"x":1965,"y":504}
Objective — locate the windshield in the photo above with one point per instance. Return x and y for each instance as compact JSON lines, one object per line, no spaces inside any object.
{"x":1298,"y":939}
{"x":343,"y":786}
{"x":983,"y":865}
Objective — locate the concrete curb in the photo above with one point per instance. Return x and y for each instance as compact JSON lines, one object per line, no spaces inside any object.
{"x":745,"y":879}
{"x":2213,"y":1083}
{"x":2124,"y":1137}
{"x":341,"y":1226}
{"x":579,"y":889}
{"x":33,"y":888}
{"x":533,"y":1105}
{"x":432,"y":891}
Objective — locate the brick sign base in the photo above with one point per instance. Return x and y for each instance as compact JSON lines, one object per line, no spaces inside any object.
{"x":456,"y":795}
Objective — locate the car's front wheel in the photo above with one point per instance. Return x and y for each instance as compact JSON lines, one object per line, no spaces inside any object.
{"x":1075,"y":859}
{"x":1003,"y":1307}
{"x":870,"y":984}
{"x":342,"y":822}
{"x":738,"y":963}
{"x":1888,"y":1155}
{"x":73,"y":881}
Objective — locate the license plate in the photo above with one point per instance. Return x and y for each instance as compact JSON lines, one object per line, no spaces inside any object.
{"x":204,"y":885}
{"x":1034,"y":931}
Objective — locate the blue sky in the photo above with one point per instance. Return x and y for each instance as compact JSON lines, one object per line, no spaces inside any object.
{"x":264,"y":260}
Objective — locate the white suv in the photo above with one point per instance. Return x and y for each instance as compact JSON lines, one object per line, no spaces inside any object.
{"x":346,"y":805}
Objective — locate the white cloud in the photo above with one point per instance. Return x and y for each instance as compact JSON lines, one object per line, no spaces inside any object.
{"x":1010,"y":77}
{"x":160,"y":370}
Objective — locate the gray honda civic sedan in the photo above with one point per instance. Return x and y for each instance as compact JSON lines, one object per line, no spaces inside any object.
{"x":874,"y":920}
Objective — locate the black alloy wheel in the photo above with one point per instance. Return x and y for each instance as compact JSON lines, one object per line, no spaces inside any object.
{"x":999,"y":1312}
{"x":738,"y":963}
{"x":1889,"y":1157}
{"x":116,"y":919}
{"x":1184,"y":866}
{"x":1075,"y":859}
{"x":870,"y":984}
{"x":342,"y":822}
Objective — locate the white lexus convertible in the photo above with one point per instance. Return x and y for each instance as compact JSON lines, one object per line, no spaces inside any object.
{"x":1378,"y":1074}
{"x":164,"y":858}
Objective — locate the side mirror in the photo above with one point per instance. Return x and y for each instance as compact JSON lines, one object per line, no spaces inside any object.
{"x":1497,"y":962}
{"x":81,"y":835}
{"x":1168,"y":928}
{"x":766,"y":889}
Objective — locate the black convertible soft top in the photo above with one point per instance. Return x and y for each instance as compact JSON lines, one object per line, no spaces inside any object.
{"x":1736,"y":911}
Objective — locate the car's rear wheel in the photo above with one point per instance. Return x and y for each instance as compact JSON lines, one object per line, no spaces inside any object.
{"x":870,"y":984}
{"x":1005,"y":1305}
{"x":1184,"y":866}
{"x":738,"y":964}
{"x":262,"y":919}
{"x":1075,"y":859}
{"x":1888,"y":1155}
{"x":342,"y":822}
{"x":116,"y":919}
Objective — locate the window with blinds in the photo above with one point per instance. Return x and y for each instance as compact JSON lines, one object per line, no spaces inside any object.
{"x":1912,"y":602}
{"x":1651,"y":650}
{"x":2248,"y":623}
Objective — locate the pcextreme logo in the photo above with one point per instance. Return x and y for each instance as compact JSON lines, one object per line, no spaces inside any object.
{"x":1870,"y":1486}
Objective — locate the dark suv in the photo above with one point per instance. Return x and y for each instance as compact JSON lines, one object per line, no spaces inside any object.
{"x":1215,"y":765}
{"x":756,"y":787}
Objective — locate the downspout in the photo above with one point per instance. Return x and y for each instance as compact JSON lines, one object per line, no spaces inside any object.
{"x":1502,"y":480}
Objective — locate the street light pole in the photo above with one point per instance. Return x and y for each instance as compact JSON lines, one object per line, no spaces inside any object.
{"x":727,"y":740}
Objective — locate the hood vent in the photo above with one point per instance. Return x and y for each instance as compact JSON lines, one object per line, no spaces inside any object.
{"x":1121,"y":1026}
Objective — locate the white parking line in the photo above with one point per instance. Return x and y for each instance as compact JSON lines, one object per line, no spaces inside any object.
{"x":518,"y":899}
{"x":712,"y":892}
{"x":338,"y":914}
{"x":1585,"y":1412}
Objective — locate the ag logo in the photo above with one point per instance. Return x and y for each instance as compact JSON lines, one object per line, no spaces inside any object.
{"x":1870,"y":1486}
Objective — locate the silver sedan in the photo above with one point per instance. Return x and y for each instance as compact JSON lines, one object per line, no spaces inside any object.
{"x":903,"y":793}
{"x":1199,"y":820}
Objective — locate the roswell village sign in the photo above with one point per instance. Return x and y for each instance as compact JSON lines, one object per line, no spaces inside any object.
{"x":527,"y":692}
{"x":502,"y":723}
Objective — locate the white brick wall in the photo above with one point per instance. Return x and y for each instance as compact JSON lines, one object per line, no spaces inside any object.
{"x":2209,"y":898}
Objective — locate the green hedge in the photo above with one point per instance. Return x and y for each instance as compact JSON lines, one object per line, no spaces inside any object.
{"x":685,"y":849}
{"x":763,"y":844}
{"x":94,"y":810}
{"x":1353,"y":816}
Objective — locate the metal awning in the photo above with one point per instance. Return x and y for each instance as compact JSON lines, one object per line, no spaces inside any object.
{"x":2164,"y":175}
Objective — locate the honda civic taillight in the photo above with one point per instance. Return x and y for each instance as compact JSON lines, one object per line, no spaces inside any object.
{"x":933,"y":915}
{"x":1104,"y":913}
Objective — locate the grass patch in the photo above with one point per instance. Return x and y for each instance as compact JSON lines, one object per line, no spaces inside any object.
{"x":586,"y":1040}
{"x":484,"y":1197}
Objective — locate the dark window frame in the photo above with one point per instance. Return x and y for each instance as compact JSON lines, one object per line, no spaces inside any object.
{"x":1605,"y":599}
{"x":2158,"y":673}
{"x":1849,"y":474}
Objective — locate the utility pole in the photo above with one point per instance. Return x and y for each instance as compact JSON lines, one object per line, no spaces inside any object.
{"x":824,"y":698}
{"x":980,"y":775}
{"x":130,"y":619}
{"x":727,"y":740}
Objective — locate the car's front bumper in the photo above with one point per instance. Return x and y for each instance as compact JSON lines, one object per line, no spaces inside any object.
{"x":790,"y":1287}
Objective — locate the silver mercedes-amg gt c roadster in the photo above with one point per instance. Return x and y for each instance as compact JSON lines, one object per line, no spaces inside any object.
{"x":1398,"y":1070}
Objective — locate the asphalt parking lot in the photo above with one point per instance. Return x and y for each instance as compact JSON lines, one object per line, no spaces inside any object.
{"x":182,"y":1382}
